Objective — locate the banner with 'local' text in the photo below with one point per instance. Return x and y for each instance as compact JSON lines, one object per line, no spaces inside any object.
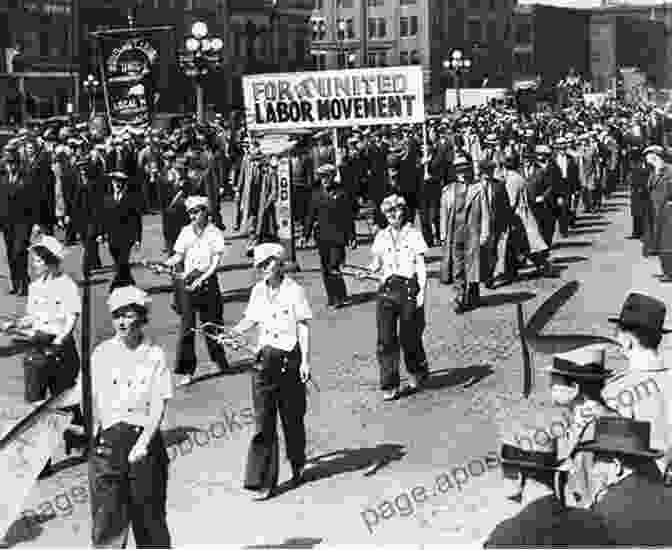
{"x":332,"y":99}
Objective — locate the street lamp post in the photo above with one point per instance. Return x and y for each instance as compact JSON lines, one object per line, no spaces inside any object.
{"x":203,"y":53}
{"x":340,"y":35}
{"x":456,"y":65}
{"x":91,"y":87}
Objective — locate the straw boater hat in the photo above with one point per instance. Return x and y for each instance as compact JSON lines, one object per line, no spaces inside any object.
{"x":582,"y":364}
{"x":118,"y":175}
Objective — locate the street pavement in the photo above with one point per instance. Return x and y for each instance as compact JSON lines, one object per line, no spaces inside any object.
{"x":419,"y":470}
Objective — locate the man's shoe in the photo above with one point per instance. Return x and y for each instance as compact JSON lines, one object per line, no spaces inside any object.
{"x":391,"y":395}
{"x":297,"y":476}
{"x":185,"y":381}
{"x":417,"y":381}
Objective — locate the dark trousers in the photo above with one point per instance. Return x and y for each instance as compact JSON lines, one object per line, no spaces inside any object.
{"x":332,"y":257}
{"x":563,"y":215}
{"x":430,"y":216}
{"x":124,"y":495}
{"x":91,"y":248}
{"x":207,"y":302}
{"x":276,"y":388}
{"x":666,"y":264}
{"x":587,"y":197}
{"x":46,"y":368}
{"x":121,"y":255}
{"x":17,"y":242}
{"x":400,"y":326}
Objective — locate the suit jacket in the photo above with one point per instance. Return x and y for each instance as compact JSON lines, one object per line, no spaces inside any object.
{"x":122,"y":221}
{"x":499,"y":207}
{"x":660,"y":186}
{"x":40,"y":178}
{"x":334,"y":215}
{"x":637,"y":510}
{"x":544,"y":523}
{"x":18,"y":201}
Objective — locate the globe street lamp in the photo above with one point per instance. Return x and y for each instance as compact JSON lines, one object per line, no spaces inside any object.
{"x":91,"y":86}
{"x":203,"y":53}
{"x":457,"y":64}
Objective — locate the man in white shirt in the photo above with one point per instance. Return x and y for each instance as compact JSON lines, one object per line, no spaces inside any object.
{"x":279,"y":308}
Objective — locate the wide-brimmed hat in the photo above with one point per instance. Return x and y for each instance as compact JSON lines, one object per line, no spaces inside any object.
{"x":264,"y":251}
{"x":462,"y":163}
{"x":196,"y":201}
{"x":620,"y":436}
{"x":51,"y":245}
{"x":642,"y":311}
{"x":326,"y":169}
{"x":582,"y":364}
{"x":542,"y":151}
{"x":127,"y":296}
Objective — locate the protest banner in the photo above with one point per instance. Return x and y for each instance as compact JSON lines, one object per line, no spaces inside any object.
{"x":473,"y":97}
{"x":333,"y":99}
{"x":22,"y":459}
{"x":127,"y":63}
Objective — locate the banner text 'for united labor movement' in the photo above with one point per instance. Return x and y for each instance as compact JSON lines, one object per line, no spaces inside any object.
{"x":350,"y":97}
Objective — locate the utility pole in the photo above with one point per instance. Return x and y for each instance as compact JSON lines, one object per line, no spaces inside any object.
{"x":74,"y":52}
{"x":364,"y":14}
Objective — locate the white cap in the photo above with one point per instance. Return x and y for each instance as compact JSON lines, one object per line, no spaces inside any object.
{"x":52,"y":244}
{"x":127,"y":296}
{"x":392,"y":201}
{"x":196,"y":201}
{"x":264,"y":251}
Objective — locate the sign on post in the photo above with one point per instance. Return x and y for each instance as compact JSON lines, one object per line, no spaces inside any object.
{"x":333,"y":99}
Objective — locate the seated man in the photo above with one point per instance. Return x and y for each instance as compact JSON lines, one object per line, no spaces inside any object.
{"x":538,"y":484}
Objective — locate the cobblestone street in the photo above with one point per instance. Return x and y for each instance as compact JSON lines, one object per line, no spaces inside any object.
{"x":365,"y":454}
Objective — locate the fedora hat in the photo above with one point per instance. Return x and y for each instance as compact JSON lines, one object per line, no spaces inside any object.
{"x":642,"y":311}
{"x":622,"y":436}
{"x":582,"y":364}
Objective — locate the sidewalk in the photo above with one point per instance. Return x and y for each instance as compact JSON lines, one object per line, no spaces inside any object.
{"x":366,"y":456}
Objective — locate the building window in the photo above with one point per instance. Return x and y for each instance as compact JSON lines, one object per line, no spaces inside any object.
{"x":382,"y":59}
{"x":344,"y":3}
{"x":408,"y":26}
{"x":320,"y":61}
{"x":415,"y":58}
{"x":474,"y":31}
{"x":492,"y":6}
{"x":319,"y":4}
{"x":408,"y":2}
{"x":492,"y":31}
{"x":350,"y":28}
{"x":475,"y":4}
{"x":522,"y":62}
{"x":340,"y":29}
{"x":523,"y":33}
{"x":375,"y":3}
{"x":371,"y":59}
{"x":377,"y":27}
{"x":403,"y":58}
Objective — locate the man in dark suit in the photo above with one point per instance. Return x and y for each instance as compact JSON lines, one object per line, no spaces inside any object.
{"x":544,"y":521}
{"x":331,"y":207}
{"x":377,"y":187}
{"x":122,"y":222}
{"x":39,"y":176}
{"x":567,"y":180}
{"x":89,"y":209}
{"x":630,"y":495}
{"x":501,"y":217}
{"x":20,"y":212}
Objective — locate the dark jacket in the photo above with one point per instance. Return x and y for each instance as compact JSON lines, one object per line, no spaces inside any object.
{"x":122,"y":221}
{"x":501,"y":213}
{"x":40,"y":178}
{"x":545,"y":523}
{"x":637,"y":510}
{"x":18,"y":201}
{"x":333,"y":212}
{"x":89,"y":201}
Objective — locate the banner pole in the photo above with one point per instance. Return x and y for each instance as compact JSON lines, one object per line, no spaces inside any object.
{"x":103,"y":79}
{"x":337,"y":154}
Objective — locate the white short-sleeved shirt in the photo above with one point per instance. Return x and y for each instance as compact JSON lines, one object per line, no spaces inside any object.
{"x":199,"y":250}
{"x":51,"y":301}
{"x":278,"y":313}
{"x":399,"y":255}
{"x":126,"y":382}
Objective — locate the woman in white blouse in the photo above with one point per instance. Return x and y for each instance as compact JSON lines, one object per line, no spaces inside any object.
{"x":199,"y":247}
{"x":399,"y":255}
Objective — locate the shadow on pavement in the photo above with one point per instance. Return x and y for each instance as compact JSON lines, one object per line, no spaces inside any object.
{"x":297,"y":543}
{"x":581,"y":224}
{"x":13,"y":348}
{"x":550,"y":307}
{"x":494,"y":300}
{"x":594,"y":231}
{"x":465,"y":377}
{"x":236,"y":295}
{"x":572,"y":244}
{"x":569,"y":259}
{"x":371,"y":459}
{"x":25,"y":530}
